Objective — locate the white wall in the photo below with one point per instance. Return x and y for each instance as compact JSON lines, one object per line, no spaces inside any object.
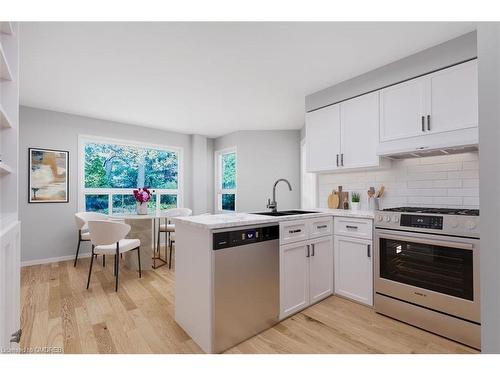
{"x":202,"y":162}
{"x":262,"y":158}
{"x":488,"y":42}
{"x":48,"y":229}
{"x":445,"y":54}
{"x":434,"y":181}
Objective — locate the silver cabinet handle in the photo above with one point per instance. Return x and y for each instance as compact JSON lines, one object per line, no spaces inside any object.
{"x":308,"y":251}
{"x":321,"y":226}
{"x":368,"y":251}
{"x":351,"y":227}
{"x":295,"y":231}
{"x":16,"y":336}
{"x":312,"y":250}
{"x":341,"y":160}
{"x":423,"y":123}
{"x":428,"y":122}
{"x":337,"y":160}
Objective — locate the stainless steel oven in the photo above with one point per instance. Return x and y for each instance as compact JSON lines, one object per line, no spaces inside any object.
{"x":428,"y":277}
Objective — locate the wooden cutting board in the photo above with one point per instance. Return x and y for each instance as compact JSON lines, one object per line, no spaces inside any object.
{"x":333,"y":200}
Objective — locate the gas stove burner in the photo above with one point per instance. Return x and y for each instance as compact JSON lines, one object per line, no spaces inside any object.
{"x":439,"y":211}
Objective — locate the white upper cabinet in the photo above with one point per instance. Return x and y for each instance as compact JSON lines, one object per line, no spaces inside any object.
{"x":359,"y":119}
{"x":344,"y":135}
{"x":444,"y":101}
{"x":323,"y":138}
{"x":402,"y":110}
{"x":454,"y":98}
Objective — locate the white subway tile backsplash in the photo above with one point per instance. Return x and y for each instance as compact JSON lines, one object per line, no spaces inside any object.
{"x":456,"y":183}
{"x":412,"y":176}
{"x":467,"y":192}
{"x":470,"y":183}
{"x":436,"y":181}
{"x":442,"y":167}
{"x":464,"y":174}
{"x":471,"y":165}
{"x":471,"y":201}
{"x":448,"y":201}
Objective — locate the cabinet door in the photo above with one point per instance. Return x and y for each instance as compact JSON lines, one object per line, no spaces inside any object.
{"x":359,"y":119}
{"x":401,"y":109}
{"x":353,"y":269}
{"x":321,"y":269}
{"x":323,"y":139}
{"x":294,"y":278}
{"x":10,"y":265}
{"x":454,"y":98}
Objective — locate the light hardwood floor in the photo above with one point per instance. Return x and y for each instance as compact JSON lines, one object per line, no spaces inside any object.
{"x":57,"y":311}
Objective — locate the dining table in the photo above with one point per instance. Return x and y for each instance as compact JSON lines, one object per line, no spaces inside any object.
{"x":145,"y":228}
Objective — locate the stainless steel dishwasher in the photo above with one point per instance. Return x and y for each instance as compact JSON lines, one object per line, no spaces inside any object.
{"x":246,"y":283}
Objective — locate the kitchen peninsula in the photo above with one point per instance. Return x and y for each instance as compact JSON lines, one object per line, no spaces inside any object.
{"x":231,"y":270}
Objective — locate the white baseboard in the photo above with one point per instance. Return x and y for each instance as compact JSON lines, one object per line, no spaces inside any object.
{"x":53,"y":260}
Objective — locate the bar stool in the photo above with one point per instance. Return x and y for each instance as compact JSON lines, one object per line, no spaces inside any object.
{"x":169,"y":229}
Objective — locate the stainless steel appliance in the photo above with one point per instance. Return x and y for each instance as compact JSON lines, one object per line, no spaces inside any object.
{"x":427,"y":270}
{"x":246,"y":283}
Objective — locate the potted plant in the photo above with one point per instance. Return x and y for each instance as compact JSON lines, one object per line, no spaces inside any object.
{"x":355,"y":198}
{"x":142,"y":197}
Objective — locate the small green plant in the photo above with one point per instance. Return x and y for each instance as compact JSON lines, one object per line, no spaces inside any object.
{"x":355,"y":197}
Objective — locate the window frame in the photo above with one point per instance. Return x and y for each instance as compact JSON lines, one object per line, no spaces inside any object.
{"x":219,"y":191}
{"x":110,"y":192}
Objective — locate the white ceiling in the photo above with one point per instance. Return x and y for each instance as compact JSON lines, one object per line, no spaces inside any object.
{"x":206,"y":78}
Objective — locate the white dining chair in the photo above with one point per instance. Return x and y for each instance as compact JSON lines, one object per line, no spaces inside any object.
{"x":108,"y":238}
{"x":81,"y":219}
{"x":169,"y":229}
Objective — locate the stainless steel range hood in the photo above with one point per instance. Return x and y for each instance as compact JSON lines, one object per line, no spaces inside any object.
{"x":425,"y":152}
{"x":444,"y":143}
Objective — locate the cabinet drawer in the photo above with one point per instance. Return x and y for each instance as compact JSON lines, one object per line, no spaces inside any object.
{"x":293,"y":231}
{"x":321,"y":226}
{"x":352,"y":227}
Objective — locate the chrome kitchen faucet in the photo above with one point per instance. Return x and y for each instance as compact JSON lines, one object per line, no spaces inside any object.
{"x":273,"y":206}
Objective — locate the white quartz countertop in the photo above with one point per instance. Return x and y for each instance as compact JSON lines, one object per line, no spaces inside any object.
{"x":228,"y":220}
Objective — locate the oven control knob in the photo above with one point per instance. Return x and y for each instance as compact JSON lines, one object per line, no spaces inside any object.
{"x":379,"y":218}
{"x":471,"y":225}
{"x":396,"y":219}
{"x":388,"y":218}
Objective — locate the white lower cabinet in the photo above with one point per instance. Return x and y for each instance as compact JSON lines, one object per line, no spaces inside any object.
{"x":306,"y":274}
{"x":353,"y":260}
{"x":294,"y":278}
{"x":321,"y":269}
{"x":10,"y":265}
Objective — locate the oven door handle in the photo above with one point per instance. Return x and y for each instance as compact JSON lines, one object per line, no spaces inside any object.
{"x":456,"y":245}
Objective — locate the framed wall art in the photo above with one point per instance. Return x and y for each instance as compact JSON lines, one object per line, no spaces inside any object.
{"x":48,"y":176}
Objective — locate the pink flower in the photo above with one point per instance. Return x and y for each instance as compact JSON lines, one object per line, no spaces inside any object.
{"x":142,"y":195}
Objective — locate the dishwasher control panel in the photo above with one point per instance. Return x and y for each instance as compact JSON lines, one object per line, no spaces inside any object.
{"x":223,"y":240}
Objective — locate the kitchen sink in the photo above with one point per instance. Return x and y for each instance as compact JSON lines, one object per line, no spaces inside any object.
{"x":285,"y":213}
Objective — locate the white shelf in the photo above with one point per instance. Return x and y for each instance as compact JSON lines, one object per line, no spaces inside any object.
{"x":5,"y":74}
{"x":5,"y":122}
{"x":4,"y":169}
{"x":6,"y":28}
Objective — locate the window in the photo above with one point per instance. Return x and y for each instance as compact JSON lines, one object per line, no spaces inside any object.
{"x":226,"y":180}
{"x":110,"y":170}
